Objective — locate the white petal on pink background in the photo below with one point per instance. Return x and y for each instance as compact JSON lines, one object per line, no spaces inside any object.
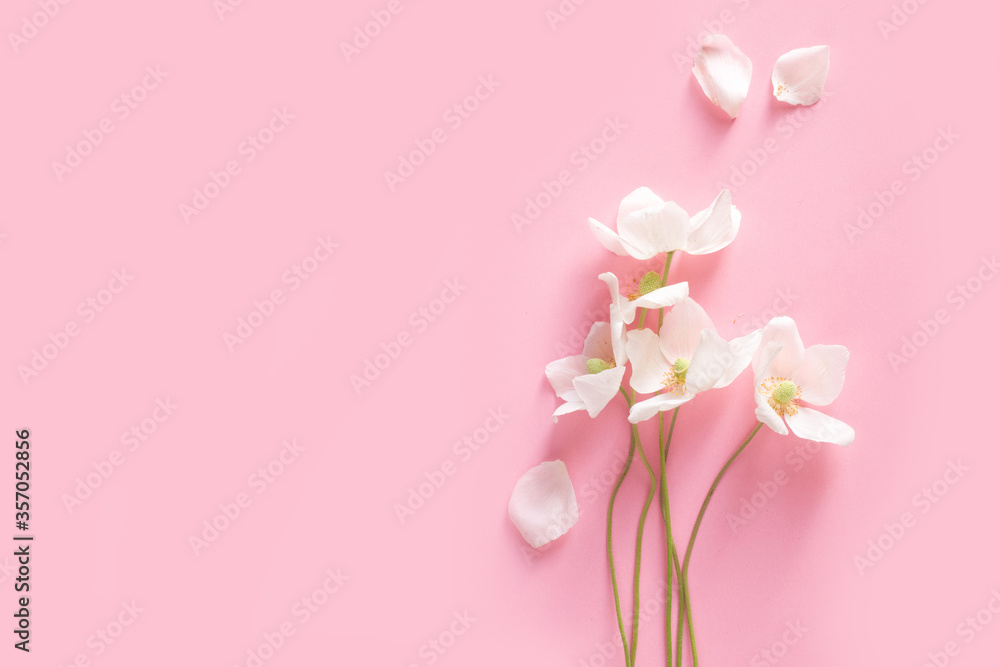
{"x":723,"y":72}
{"x":715,"y":227}
{"x":543,"y":504}
{"x":800,"y":75}
{"x":660,"y":228}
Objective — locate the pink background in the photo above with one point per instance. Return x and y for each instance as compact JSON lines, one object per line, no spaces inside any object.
{"x":528,"y":295}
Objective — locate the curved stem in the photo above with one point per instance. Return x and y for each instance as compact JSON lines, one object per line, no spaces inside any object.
{"x":694,"y":534}
{"x":671,"y":551}
{"x":638,"y":540}
{"x":611,"y":557}
{"x":663,"y":280}
{"x":682,"y":596}
{"x":673,"y":562}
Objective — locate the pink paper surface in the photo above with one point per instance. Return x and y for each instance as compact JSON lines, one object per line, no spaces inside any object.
{"x":258,"y":108}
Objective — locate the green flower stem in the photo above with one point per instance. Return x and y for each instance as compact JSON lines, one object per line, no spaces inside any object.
{"x":663,"y":279}
{"x":682,"y":595}
{"x":671,"y":550}
{"x":611,"y":557}
{"x":638,"y":539}
{"x":694,"y":534}
{"x":637,"y":445}
{"x":673,"y":562}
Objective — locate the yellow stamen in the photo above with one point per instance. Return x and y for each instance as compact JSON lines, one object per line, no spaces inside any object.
{"x":783,"y":395}
{"x":675,"y":378}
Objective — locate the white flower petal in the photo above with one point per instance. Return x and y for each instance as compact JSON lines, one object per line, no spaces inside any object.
{"x":766,"y":414}
{"x":742,"y":351}
{"x":637,"y":200}
{"x":561,"y":373}
{"x":655,"y":229}
{"x":715,"y":227}
{"x":598,"y":344}
{"x":763,"y":358}
{"x":648,"y":365}
{"x":788,"y":360}
{"x":643,"y":410}
{"x":628,"y":309}
{"x":812,"y":425}
{"x":608,"y":238}
{"x":596,"y":390}
{"x":723,"y":72}
{"x":681,"y":329}
{"x":568,"y":407}
{"x":822,"y":374}
{"x":710,"y":362}
{"x":543,"y":504}
{"x":661,"y":298}
{"x":619,"y":317}
{"x":800,"y":74}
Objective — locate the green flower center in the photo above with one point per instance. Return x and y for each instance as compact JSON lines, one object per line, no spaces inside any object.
{"x":681,"y":369}
{"x":595,"y":366}
{"x":649,"y":283}
{"x":784,"y":392}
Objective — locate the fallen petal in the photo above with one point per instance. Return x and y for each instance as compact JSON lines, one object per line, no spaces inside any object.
{"x":723,"y":72}
{"x":799,"y":75}
{"x":543,"y":504}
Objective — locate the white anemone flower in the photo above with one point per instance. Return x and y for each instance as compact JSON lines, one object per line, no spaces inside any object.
{"x":648,"y":226}
{"x":786,"y":374}
{"x":543,"y":504}
{"x":686,"y":358}
{"x":590,"y":380}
